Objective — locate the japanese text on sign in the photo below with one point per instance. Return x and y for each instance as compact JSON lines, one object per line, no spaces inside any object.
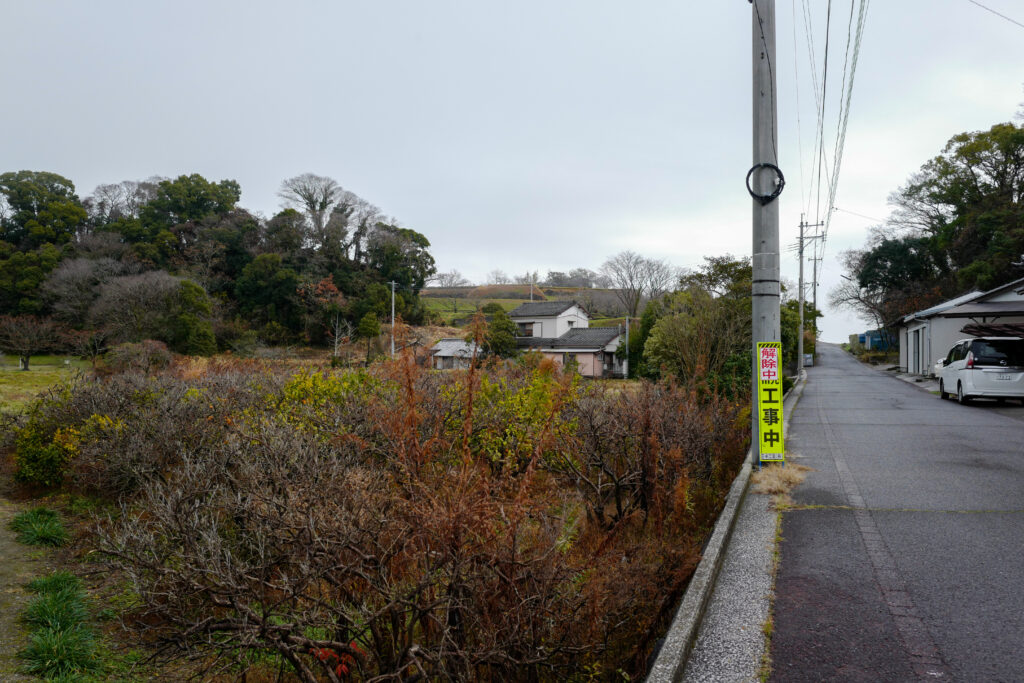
{"x":769,"y":401}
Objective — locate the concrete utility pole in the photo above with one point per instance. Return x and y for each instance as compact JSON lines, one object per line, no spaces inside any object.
{"x":764,"y":182}
{"x":800,"y":338}
{"x":814,"y":280}
{"x":392,"y":283}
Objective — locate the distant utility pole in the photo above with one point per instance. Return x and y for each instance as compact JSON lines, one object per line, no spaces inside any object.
{"x":764,"y":183}
{"x":625,"y":363}
{"x":800,"y":338}
{"x":814,"y":281}
{"x":392,"y":283}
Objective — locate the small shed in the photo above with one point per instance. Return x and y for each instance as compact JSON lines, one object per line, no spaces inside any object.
{"x":452,"y":353}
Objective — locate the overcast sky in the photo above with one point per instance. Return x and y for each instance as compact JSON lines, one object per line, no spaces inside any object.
{"x":526,"y":135}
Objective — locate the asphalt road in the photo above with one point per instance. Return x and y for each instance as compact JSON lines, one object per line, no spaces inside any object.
{"x":903,"y":558}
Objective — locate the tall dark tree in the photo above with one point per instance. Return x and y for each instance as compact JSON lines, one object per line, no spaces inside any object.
{"x":189,"y":198}
{"x":958,"y":226}
{"x":400,"y":255}
{"x":970,"y":201}
{"x":41,"y":208}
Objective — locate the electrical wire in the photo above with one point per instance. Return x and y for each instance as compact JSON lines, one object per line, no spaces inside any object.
{"x":796,"y":83}
{"x":859,"y":215}
{"x":771,"y":78}
{"x":844,"y":119}
{"x":824,"y":94}
{"x":1003,"y":16}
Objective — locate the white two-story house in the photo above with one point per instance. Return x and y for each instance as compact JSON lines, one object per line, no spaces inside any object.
{"x":561,"y":331}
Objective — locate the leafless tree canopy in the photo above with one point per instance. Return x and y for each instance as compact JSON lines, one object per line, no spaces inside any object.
{"x":498,"y":277}
{"x":115,"y":201}
{"x":131,"y":306}
{"x":315,"y":195}
{"x":635,"y":277}
{"x":71,"y":288}
{"x":452,"y":278}
{"x":27,"y":335}
{"x":527,"y":278}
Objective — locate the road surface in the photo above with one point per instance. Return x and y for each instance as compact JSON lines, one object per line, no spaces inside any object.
{"x":903,"y":558}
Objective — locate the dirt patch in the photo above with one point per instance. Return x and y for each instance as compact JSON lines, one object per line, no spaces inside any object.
{"x":18,"y":565}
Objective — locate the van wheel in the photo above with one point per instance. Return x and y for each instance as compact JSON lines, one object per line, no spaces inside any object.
{"x":961,"y":399}
{"x":942,"y":392}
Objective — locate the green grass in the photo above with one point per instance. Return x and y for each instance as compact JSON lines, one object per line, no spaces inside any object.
{"x":18,"y":388}
{"x":61,"y":646}
{"x":57,"y":610}
{"x":39,"y":526}
{"x":54,"y":583}
{"x":60,"y":653}
{"x":465,"y":307}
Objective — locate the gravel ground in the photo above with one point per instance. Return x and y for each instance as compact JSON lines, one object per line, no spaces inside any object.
{"x":17,"y":566}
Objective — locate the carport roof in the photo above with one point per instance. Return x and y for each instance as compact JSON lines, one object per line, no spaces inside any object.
{"x":994,"y":330}
{"x":984,"y":309}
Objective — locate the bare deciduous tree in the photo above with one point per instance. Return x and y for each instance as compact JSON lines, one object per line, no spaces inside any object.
{"x":316,"y":196}
{"x":635,"y":277}
{"x":74,"y":285}
{"x":132,"y":306}
{"x":660,"y":278}
{"x":452,"y":278}
{"x":26,"y":335}
{"x":498,"y":277}
{"x":114,"y":201}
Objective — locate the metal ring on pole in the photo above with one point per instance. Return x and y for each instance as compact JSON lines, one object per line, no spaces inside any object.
{"x":779,"y":184}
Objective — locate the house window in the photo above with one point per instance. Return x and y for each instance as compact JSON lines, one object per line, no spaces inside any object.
{"x":571,"y":323}
{"x":524,"y":329}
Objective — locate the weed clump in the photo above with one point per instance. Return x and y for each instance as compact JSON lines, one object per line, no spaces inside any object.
{"x":39,"y":526}
{"x":61,"y":643}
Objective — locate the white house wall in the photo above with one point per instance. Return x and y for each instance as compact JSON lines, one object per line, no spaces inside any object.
{"x":575,"y":315}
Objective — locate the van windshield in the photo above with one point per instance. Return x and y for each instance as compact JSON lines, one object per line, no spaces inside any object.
{"x":998,"y":351}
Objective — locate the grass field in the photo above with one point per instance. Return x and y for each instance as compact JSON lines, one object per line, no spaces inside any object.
{"x":464,"y":308}
{"x":18,"y":388}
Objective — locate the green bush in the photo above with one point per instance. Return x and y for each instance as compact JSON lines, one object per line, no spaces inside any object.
{"x":39,"y":526}
{"x":42,"y":449}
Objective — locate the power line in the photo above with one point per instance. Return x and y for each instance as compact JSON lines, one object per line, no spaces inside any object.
{"x":821,"y":119}
{"x":859,"y":215}
{"x":1002,"y":16}
{"x":796,"y":83}
{"x":845,"y":117}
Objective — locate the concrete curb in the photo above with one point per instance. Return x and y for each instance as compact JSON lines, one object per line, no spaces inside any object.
{"x":670,"y":663}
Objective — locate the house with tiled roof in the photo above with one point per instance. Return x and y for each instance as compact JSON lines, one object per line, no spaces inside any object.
{"x":560,"y":330}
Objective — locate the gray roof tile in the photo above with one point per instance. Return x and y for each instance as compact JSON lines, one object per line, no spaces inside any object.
{"x":533,"y":309}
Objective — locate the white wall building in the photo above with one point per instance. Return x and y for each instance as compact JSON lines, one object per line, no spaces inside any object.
{"x":548,"y":319}
{"x":926,"y":336}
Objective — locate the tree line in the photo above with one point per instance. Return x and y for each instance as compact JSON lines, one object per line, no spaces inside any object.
{"x":178,"y":260}
{"x":957,"y":226}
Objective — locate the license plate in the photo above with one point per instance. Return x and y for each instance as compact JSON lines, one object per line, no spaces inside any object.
{"x":1006,"y":376}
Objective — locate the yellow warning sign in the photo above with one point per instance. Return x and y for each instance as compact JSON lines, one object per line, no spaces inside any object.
{"x":769,"y":401}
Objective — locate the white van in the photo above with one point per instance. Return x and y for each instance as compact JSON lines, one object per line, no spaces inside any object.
{"x":983,"y":367}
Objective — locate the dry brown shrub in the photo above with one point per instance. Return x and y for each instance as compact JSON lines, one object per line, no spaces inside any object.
{"x":500,"y":523}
